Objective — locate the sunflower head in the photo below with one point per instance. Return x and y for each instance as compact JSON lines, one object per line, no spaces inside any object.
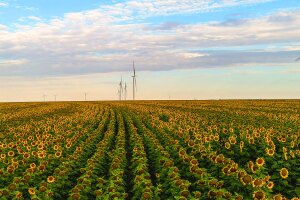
{"x":257,"y":182}
{"x":12,"y":186}
{"x":284,"y":173}
{"x":260,"y":162}
{"x":32,"y":165}
{"x":11,"y":153}
{"x":270,"y":152}
{"x":185,"y":193}
{"x":50,"y":179}
{"x":147,"y":195}
{"x":75,"y":196}
{"x":43,"y":189}
{"x":227,"y":145}
{"x":270,"y":185}
{"x":259,"y":195}
{"x":246,"y":179}
{"x":18,"y":195}
{"x":31,"y":191}
{"x":197,"y":194}
{"x":277,"y":197}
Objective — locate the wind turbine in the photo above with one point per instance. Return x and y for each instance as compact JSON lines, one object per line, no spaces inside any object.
{"x":125,"y":92}
{"x":119,"y":94}
{"x":297,"y":59}
{"x":44,"y":97}
{"x":134,"y":82}
{"x":55,"y":97}
{"x":121,"y":88}
{"x":85,"y":94}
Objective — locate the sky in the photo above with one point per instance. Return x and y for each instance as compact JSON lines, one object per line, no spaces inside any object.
{"x":191,"y":49}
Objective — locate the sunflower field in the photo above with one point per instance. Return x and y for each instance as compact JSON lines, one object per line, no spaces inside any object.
{"x":177,"y":150}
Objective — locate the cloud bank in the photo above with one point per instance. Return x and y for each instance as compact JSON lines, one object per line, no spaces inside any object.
{"x":107,"y":39}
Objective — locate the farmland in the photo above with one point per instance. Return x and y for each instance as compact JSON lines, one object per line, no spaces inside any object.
{"x":150,"y":150}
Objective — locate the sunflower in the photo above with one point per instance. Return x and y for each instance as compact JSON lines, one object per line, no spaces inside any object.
{"x":260,"y":162}
{"x":257,"y":183}
{"x":216,"y":137}
{"x":284,"y":173}
{"x":18,"y":195}
{"x":26,"y":155}
{"x":146,"y":195}
{"x":277,"y":197}
{"x":239,"y":198}
{"x":227,"y":145}
{"x":259,"y":195}
{"x":270,"y":185}
{"x":43,"y":189}
{"x":284,"y":149}
{"x":292,"y":154}
{"x":32,"y":165}
{"x":34,"y":153}
{"x":31,"y":191}
{"x":56,"y":147}
{"x":50,"y":179}
{"x":194,"y":162}
{"x":50,"y":193}
{"x":227,"y":195}
{"x":232,"y":140}
{"x":270,"y":152}
{"x":42,"y":167}
{"x":246,"y":179}
{"x":267,"y":178}
{"x":157,"y":175}
{"x":75,"y":196}
{"x":10,"y":170}
{"x":250,"y":164}
{"x":225,"y":170}
{"x":241,"y":144}
{"x":11,"y":153}
{"x":191,"y":143}
{"x":251,"y":140}
{"x":57,"y":154}
{"x":211,"y":193}
{"x":12,"y":186}
{"x":197,"y":194}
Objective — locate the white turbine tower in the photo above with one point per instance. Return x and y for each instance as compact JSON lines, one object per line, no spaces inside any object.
{"x":134,"y":87}
{"x":125,"y":92}
{"x":44,"y":97}
{"x":119,"y":94}
{"x":121,"y":89}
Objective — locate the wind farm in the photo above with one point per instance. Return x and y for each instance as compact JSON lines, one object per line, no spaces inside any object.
{"x":150,"y":100}
{"x":122,"y":89}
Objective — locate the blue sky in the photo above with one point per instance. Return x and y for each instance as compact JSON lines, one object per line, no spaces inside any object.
{"x":13,"y":10}
{"x":234,"y":46}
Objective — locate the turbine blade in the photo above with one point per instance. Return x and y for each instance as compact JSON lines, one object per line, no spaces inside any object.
{"x":297,"y":59}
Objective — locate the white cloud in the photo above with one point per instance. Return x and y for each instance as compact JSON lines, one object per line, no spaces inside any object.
{"x":34,"y":18}
{"x":94,"y":41}
{"x":145,"y":8}
{"x":193,"y":55}
{"x":3,"y":4}
{"x":5,"y":63}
